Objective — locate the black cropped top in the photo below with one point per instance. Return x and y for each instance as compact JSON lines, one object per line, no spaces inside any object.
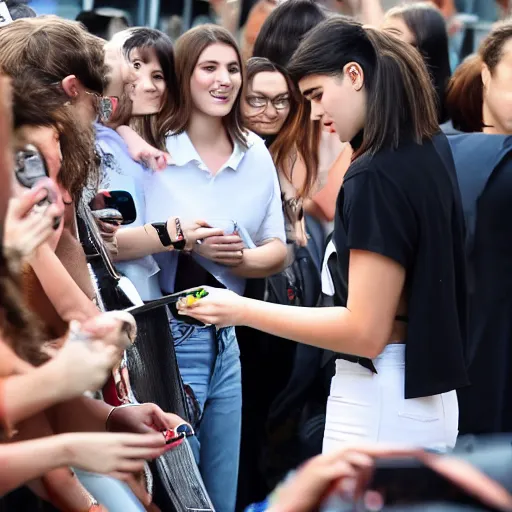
{"x":405,"y":204}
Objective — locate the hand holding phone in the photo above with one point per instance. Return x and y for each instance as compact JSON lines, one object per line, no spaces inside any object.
{"x":32,"y":218}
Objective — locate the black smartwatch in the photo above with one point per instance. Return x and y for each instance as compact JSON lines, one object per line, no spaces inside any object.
{"x":163,"y":234}
{"x":165,"y":239}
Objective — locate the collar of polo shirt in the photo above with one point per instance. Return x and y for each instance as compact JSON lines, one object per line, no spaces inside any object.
{"x":183,"y":151}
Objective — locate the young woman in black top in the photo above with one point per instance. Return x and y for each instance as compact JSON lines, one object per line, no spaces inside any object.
{"x":397,"y":272}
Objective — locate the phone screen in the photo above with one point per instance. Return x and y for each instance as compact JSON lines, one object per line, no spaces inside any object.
{"x":30,"y":166}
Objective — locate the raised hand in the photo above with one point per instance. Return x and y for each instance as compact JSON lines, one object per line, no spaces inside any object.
{"x":27,"y":226}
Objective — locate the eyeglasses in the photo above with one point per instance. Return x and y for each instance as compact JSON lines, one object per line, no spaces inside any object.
{"x":261,"y":102}
{"x":105,"y":106}
{"x":29,"y":166}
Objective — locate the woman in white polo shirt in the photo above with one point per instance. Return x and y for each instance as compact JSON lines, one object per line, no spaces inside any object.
{"x":224,"y":177}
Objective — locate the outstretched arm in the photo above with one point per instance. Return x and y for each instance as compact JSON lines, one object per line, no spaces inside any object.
{"x":362,"y":328}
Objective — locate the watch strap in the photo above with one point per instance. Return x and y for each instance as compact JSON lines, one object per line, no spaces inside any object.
{"x":180,"y":242}
{"x":163,"y":233}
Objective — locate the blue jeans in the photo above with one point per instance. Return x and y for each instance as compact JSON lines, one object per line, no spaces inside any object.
{"x":209,"y":362}
{"x":113,"y":494}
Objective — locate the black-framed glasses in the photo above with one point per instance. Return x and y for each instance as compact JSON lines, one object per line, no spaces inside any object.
{"x":105,"y":106}
{"x":29,"y":166}
{"x":261,"y":102}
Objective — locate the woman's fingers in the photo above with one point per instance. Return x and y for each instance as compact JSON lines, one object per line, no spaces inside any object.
{"x":470,"y":479}
{"x":206,"y":232}
{"x":20,"y":206}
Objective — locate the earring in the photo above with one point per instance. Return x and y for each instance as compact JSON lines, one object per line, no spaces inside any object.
{"x":352,"y":71}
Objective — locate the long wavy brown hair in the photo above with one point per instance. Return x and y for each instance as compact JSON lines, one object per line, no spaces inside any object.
{"x":44,"y":51}
{"x":298,"y":135}
{"x":189,"y":48}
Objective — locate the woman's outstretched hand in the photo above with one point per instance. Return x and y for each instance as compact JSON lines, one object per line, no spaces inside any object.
{"x":118,"y":455}
{"x":92,"y":349}
{"x":221,"y":308}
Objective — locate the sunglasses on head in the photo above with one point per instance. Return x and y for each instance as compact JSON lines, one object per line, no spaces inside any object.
{"x":105,"y":106}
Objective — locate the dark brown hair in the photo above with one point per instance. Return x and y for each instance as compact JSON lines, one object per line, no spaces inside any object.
{"x":153,"y":128}
{"x":189,"y":48}
{"x":56,"y":46}
{"x":465,"y":90}
{"x":401,"y":97}
{"x":464,"y":96}
{"x":428,"y":25}
{"x":295,"y":135}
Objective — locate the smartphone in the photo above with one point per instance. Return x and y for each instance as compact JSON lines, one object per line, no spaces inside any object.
{"x":119,"y":200}
{"x":29,"y":166}
{"x":171,"y":436}
{"x":408,"y":481}
{"x":109,"y":216}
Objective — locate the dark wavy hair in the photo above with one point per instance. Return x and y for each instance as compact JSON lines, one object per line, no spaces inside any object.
{"x":37,"y":102}
{"x":17,"y":326}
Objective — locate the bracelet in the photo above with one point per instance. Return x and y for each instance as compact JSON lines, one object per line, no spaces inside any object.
{"x":114,"y":409}
{"x":179,"y":243}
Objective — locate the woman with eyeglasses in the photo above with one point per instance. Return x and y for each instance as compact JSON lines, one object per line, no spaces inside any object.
{"x":272,"y":107}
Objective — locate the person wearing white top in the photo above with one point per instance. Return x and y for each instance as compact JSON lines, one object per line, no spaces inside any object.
{"x":223,"y":177}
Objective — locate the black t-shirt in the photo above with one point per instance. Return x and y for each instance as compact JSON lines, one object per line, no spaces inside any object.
{"x":405,"y":204}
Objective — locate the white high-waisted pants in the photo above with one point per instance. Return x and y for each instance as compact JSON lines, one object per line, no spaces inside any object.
{"x":367,"y":407}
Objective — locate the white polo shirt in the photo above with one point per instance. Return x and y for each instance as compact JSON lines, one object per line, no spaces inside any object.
{"x":120,"y":172}
{"x":245,"y":190}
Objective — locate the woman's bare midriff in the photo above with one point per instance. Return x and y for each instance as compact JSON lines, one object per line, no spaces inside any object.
{"x":399,"y":331}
